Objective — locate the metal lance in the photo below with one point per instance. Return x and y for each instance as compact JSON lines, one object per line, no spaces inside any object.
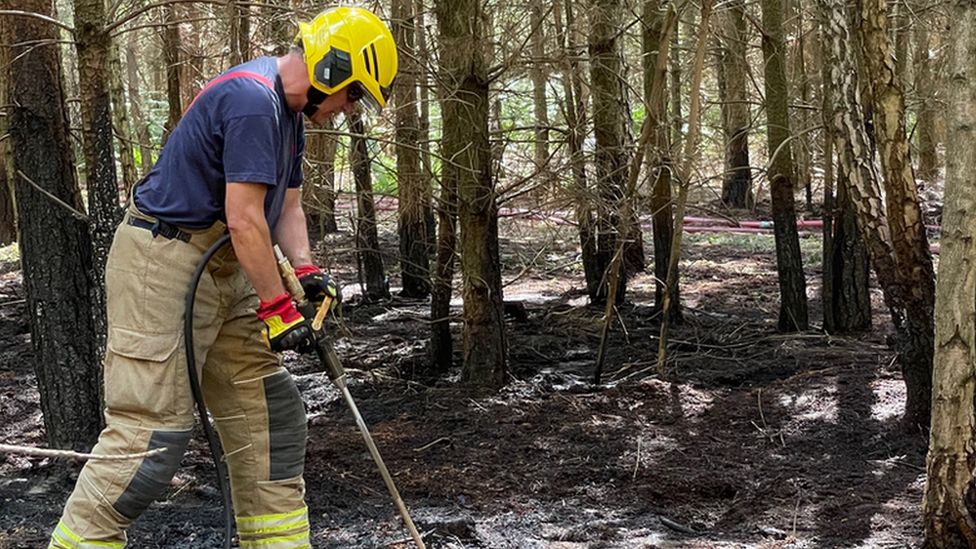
{"x":335,"y":371}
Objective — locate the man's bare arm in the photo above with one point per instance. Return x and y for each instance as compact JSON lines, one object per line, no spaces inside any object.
{"x":291,"y":234}
{"x":251,"y":237}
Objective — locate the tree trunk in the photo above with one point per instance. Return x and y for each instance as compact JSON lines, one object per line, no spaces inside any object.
{"x":656,"y":45}
{"x":539,"y":72}
{"x":412,"y":209}
{"x":319,"y":192}
{"x":239,"y":27}
{"x":928,"y":158}
{"x":94,"y":47}
{"x":367,"y":240}
{"x":424,"y":124}
{"x":804,"y":158}
{"x":736,"y":119}
{"x":8,"y":209}
{"x":677,"y":121}
{"x":949,"y":492}
{"x":611,"y":155}
{"x":120,"y":120}
{"x":135,"y":102}
{"x":913,"y":259}
{"x":575,"y":109}
{"x":56,"y":248}
{"x":465,"y":119}
{"x":846,"y":270}
{"x":171,"y":55}
{"x":789,"y":262}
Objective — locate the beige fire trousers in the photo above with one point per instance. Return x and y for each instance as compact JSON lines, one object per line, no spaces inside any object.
{"x":148,"y":404}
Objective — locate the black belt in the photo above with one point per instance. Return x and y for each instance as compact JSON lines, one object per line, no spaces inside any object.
{"x":160,"y":228}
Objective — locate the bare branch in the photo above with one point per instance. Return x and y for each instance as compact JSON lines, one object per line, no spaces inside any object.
{"x":46,"y":452}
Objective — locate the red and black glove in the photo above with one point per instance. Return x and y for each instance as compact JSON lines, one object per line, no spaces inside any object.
{"x":318,"y":285}
{"x":285,"y":328}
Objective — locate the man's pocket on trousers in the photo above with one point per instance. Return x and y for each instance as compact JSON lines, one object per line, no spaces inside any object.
{"x":146,"y":377}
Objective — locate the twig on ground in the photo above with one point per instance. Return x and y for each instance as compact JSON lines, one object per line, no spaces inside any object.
{"x":46,"y":452}
{"x":637,"y":461}
{"x":434,"y":443}
{"x":678,"y":527}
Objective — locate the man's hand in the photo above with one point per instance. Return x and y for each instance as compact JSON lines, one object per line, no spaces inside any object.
{"x":318,"y":285}
{"x":285,"y":328}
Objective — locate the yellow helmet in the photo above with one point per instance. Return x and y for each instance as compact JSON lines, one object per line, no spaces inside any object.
{"x":345,"y":46}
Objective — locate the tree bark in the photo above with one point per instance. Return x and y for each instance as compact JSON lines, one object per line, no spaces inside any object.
{"x":94,"y":47}
{"x":789,"y":262}
{"x":610,"y":154}
{"x":8,"y":209}
{"x":319,"y":192}
{"x":171,"y":55}
{"x":925,"y":132}
{"x":465,"y":120}
{"x":239,"y":27}
{"x":120,"y":120}
{"x":913,"y":259}
{"x":539,"y":72}
{"x":423,"y":78}
{"x":736,"y":119}
{"x":135,"y":102}
{"x":576,"y":121}
{"x":656,"y":46}
{"x":56,"y":248}
{"x":949,"y":493}
{"x":846,"y":269}
{"x":414,"y":198}
{"x":367,"y":239}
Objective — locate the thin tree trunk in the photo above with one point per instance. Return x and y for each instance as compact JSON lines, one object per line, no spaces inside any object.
{"x":8,"y":208}
{"x":465,"y":116}
{"x":576,"y":120}
{"x":239,"y":27}
{"x":367,"y":239}
{"x":804,"y":158}
{"x":120,"y":120}
{"x":94,"y":47}
{"x":913,"y":259}
{"x":684,"y":177}
{"x":925,"y":132}
{"x":660,"y":24}
{"x":424,"y":128}
{"x":611,"y":156}
{"x":736,"y":119}
{"x":411,"y":218}
{"x":319,"y":192}
{"x":171,"y":55}
{"x":135,"y":101}
{"x":846,"y":269}
{"x":539,"y":72}
{"x":56,"y":248}
{"x":675,"y":71}
{"x":789,"y":262}
{"x":947,"y":506}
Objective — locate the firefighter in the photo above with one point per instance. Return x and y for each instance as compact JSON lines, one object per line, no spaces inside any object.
{"x":233,"y":164}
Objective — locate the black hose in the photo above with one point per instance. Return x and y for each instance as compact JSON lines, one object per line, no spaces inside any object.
{"x":191,"y":366}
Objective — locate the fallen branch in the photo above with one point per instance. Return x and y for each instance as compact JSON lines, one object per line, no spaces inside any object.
{"x":46,"y":452}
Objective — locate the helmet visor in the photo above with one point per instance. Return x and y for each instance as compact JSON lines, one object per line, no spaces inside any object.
{"x":360,"y":95}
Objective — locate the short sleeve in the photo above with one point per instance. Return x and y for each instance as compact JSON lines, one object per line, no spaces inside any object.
{"x":250,"y":149}
{"x":297,"y":171}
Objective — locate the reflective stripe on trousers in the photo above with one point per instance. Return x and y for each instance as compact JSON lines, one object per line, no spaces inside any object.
{"x":277,"y":531}
{"x":64,"y":538}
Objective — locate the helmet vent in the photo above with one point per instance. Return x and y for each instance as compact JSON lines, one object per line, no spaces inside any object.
{"x":376,"y":65}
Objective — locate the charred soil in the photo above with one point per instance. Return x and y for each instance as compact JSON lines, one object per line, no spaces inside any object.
{"x":749,"y":439}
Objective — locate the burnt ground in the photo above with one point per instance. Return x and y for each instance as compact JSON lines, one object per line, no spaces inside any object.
{"x":750,"y":439}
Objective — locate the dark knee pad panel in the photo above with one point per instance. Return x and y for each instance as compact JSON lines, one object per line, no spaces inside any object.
{"x":287,"y":427}
{"x":154,"y":473}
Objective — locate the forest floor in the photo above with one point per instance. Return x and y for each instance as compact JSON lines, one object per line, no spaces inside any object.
{"x":750,"y":439}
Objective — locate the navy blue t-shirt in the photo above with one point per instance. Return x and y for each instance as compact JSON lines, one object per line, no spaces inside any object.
{"x":239,"y":129}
